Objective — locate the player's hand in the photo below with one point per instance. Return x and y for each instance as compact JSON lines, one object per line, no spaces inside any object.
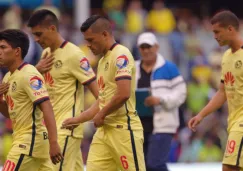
{"x":193,"y":122}
{"x":4,"y":88}
{"x":99,"y":120}
{"x":70,"y":123}
{"x":45,"y":63}
{"x":152,"y":101}
{"x":55,"y":153}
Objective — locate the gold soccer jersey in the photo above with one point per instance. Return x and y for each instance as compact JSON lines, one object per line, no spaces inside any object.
{"x":71,"y":70}
{"x":118,"y":64}
{"x":232,"y":77}
{"x":26,"y":91}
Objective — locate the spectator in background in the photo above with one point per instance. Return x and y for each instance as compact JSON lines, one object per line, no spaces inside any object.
{"x":168,"y":92}
{"x":117,"y":17}
{"x":135,"y":16}
{"x":209,"y":152}
{"x":160,"y":19}
{"x":12,"y":17}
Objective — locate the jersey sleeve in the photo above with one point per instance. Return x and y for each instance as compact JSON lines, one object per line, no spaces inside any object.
{"x":80,"y":68}
{"x":124,"y":64}
{"x":34,"y":86}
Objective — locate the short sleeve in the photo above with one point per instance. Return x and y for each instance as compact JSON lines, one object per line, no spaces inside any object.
{"x":80,"y":68}
{"x":124,"y":65}
{"x":34,"y":86}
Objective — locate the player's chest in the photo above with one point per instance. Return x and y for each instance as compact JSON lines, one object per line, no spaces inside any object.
{"x":105,"y":74}
{"x":58,"y":72}
{"x":232,"y":69}
{"x":15,"y":93}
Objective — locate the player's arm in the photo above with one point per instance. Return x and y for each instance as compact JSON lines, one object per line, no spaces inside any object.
{"x":215,"y":103}
{"x":3,"y":105}
{"x":85,"y":116}
{"x":50,"y":123}
{"x":118,"y":100}
{"x":93,"y":87}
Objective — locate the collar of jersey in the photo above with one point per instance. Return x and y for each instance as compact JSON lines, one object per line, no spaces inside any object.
{"x":22,"y":65}
{"x":111,"y":48}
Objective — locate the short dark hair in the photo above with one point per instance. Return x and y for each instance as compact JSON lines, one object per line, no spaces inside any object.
{"x":226,"y":18}
{"x":105,"y":23}
{"x":16,"y":38}
{"x":43,"y":17}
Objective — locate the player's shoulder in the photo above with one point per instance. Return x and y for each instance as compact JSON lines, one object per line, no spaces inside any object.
{"x":73,"y":49}
{"x":6,"y":76}
{"x":227,"y":52}
{"x":29,"y":69}
{"x":121,"y":51}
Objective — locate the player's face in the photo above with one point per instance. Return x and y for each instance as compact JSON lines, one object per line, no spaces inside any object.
{"x":148,"y":52}
{"x":42,"y":35}
{"x":7,"y":54}
{"x":96,"y":42}
{"x":221,"y":34}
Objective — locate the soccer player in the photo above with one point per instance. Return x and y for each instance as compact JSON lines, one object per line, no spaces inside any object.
{"x":26,"y":104}
{"x":65,"y":81}
{"x":225,"y":26}
{"x":118,"y":141}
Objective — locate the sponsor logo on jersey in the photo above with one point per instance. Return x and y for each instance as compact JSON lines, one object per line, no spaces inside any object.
{"x":122,"y":61}
{"x":229,"y":79}
{"x":36,"y":83}
{"x":84,"y":64}
{"x":48,"y":79}
{"x":101,"y":83}
{"x":10,"y":102}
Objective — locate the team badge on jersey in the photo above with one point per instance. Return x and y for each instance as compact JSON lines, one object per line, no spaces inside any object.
{"x":58,"y":64}
{"x":106,"y":66}
{"x":14,"y":86}
{"x":122,"y":61}
{"x":238,"y":64}
{"x":36,"y":83}
{"x":84,"y":64}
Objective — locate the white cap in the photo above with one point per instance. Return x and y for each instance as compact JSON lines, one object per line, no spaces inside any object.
{"x":147,"y":38}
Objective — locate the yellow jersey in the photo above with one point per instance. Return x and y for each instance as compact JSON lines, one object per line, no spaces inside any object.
{"x":27,"y":90}
{"x":65,"y":84}
{"x":232,"y":77}
{"x":117,"y":64}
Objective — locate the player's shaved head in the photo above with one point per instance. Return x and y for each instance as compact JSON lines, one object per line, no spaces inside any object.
{"x":44,"y":18}
{"x":225,"y":19}
{"x":97,"y":24}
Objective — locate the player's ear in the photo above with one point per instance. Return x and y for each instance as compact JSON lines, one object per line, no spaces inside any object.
{"x":18,"y":51}
{"x":105,"y":33}
{"x":53,"y":28}
{"x":230,"y":28}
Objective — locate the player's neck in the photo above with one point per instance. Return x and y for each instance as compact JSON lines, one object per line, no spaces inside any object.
{"x":15,"y":65}
{"x":109,"y":45}
{"x":236,"y":44}
{"x":57,"y":43}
